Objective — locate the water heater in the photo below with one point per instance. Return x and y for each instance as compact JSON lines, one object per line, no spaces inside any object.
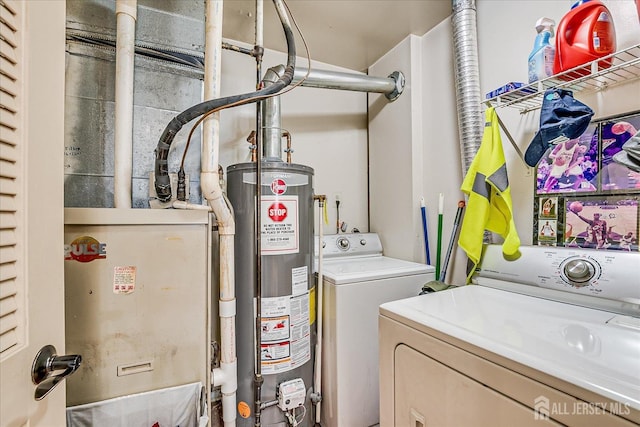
{"x":288,"y":317}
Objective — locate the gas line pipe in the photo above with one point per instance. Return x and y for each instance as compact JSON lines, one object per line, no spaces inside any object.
{"x":316,"y":397}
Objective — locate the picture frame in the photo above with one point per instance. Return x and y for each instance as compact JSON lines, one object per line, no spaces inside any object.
{"x":602,"y":222}
{"x":570,"y":166}
{"x":548,"y":207}
{"x":614,"y":176}
{"x":547,"y":232}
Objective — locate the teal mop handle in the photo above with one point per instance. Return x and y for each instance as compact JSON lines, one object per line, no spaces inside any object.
{"x":439,"y":247}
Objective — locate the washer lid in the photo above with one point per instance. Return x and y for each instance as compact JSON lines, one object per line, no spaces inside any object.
{"x":362,"y":269}
{"x":590,"y":348}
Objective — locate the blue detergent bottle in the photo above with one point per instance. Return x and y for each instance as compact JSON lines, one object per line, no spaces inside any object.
{"x":542,"y":56}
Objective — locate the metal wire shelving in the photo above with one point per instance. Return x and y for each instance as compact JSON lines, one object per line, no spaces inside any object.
{"x":608,"y":71}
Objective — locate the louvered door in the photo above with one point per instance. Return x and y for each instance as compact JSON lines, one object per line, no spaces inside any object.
{"x":31,"y":204}
{"x":12,"y":286}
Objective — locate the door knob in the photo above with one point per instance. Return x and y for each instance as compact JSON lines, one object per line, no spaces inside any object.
{"x":46,"y":363}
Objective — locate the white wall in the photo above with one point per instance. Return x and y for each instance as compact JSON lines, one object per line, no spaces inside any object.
{"x":425,"y":123}
{"x":395,"y":153}
{"x":328,"y":129}
{"x":414,"y":149}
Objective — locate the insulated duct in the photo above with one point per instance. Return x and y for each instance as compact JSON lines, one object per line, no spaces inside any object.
{"x":467,"y":78}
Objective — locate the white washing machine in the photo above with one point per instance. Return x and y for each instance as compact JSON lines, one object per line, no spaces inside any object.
{"x":552,"y":338}
{"x":357,"y":279}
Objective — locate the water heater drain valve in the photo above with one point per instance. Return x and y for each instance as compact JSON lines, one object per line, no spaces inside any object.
{"x":291,"y":394}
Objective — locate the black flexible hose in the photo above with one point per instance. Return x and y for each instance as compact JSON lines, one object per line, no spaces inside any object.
{"x":162,"y":182}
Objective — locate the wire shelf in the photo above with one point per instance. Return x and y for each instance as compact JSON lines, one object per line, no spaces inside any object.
{"x":608,"y":71}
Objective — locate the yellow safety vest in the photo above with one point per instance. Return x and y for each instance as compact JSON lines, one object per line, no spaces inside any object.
{"x":489,"y":206}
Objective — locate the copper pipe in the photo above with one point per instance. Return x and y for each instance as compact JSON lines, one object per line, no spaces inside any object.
{"x":288,"y":150}
{"x":251,"y":139}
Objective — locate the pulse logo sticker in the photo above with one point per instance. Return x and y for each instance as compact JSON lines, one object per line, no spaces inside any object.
{"x":85,"y":249}
{"x":278,"y":186}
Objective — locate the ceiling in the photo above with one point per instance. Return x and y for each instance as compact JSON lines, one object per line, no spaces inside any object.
{"x":348,"y":33}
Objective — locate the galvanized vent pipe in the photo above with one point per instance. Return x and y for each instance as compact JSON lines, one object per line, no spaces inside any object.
{"x":271,"y":118}
{"x":391,"y":86}
{"x":126,"y":15}
{"x":467,"y":79}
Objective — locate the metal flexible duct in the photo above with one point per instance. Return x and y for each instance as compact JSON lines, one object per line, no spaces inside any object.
{"x":467,"y":78}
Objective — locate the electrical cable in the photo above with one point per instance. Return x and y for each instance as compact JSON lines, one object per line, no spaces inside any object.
{"x":260,"y":98}
{"x":291,"y":416}
{"x":162,"y":181}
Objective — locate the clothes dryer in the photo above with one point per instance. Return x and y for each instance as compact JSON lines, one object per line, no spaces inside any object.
{"x":552,"y":338}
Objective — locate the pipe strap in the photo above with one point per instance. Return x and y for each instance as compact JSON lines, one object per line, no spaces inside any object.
{"x":227,"y":308}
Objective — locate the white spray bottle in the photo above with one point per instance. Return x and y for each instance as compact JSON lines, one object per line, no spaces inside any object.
{"x":543,"y":53}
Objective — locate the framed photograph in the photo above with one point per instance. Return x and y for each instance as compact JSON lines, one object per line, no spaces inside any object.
{"x":570,"y":166}
{"x":606,"y":223}
{"x":614,"y":133}
{"x":547,"y":232}
{"x":548,"y":207}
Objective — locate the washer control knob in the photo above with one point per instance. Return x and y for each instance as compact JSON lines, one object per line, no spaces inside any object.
{"x":343,"y":243}
{"x":579,"y":271}
{"x":363,"y":242}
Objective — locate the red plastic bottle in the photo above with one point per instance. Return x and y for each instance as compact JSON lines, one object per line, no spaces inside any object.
{"x":584,"y":34}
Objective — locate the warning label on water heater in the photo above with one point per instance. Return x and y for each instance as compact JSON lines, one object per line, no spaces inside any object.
{"x":280,"y":234}
{"x":286,"y":334}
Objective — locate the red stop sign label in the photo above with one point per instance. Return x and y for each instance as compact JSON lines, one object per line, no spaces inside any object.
{"x":277,"y":212}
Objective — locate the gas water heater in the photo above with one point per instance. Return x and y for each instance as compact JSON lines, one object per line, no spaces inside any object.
{"x":288,"y":314}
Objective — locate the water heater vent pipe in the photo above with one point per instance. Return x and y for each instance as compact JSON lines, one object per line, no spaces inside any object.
{"x":391,"y":86}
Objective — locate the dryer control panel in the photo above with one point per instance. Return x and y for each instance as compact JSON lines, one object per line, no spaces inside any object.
{"x":606,"y":274}
{"x":349,"y":244}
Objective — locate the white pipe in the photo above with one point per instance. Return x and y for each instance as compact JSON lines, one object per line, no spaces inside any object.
{"x":318,"y":368}
{"x":259,"y":23}
{"x":181,"y":204}
{"x":213,"y":193}
{"x":125,"y":54}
